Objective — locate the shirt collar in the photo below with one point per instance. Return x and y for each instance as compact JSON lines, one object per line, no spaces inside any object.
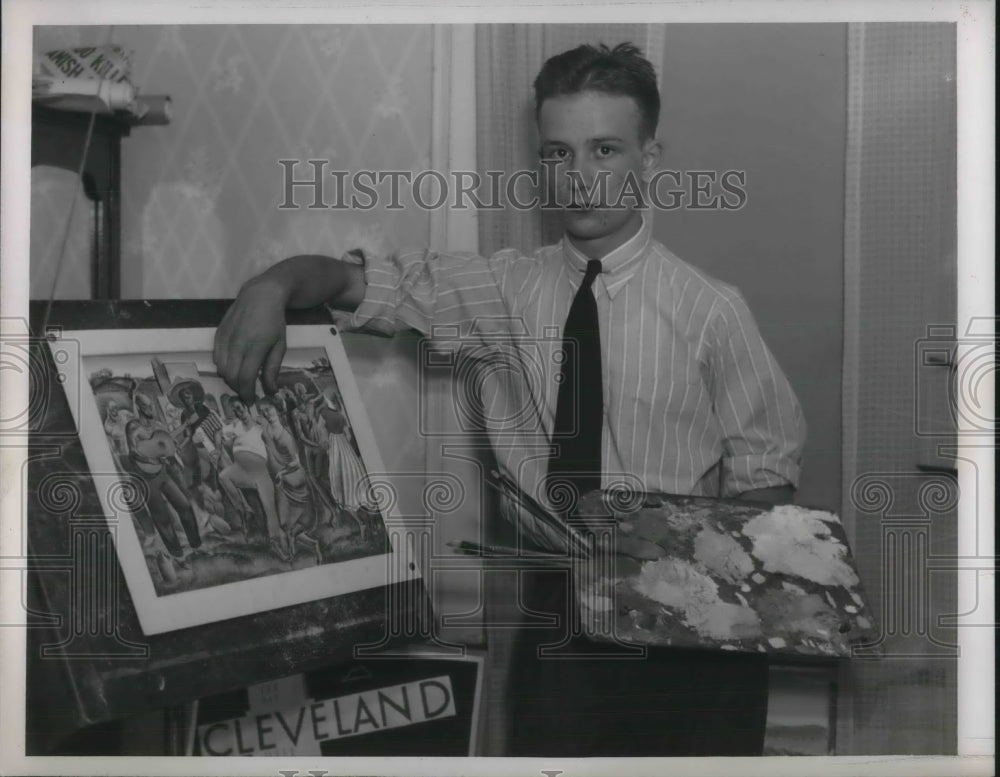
{"x":618,"y":266}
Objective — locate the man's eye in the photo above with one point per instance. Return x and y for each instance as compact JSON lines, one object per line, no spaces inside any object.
{"x":555,"y":153}
{"x":605,"y":151}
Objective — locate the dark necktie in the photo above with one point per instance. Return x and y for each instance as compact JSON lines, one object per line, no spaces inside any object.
{"x":576,"y":462}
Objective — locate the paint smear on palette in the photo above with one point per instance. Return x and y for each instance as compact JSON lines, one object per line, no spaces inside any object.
{"x":595,"y":598}
{"x":674,"y":582}
{"x":680,"y":585}
{"x":722,"y":620}
{"x":789,"y":613}
{"x":796,"y":542}
{"x":722,"y":555}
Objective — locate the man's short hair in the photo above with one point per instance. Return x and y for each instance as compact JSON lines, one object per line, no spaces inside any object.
{"x":622,"y":71}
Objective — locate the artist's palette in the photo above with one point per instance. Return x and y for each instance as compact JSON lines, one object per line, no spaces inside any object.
{"x":695,"y":572}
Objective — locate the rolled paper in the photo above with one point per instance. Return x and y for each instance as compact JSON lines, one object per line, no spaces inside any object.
{"x":82,"y":94}
{"x":152,"y":109}
{"x":99,"y":63}
{"x":87,"y":95}
{"x":89,"y":79}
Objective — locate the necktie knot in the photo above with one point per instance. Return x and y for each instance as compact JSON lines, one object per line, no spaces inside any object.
{"x":594,"y":269}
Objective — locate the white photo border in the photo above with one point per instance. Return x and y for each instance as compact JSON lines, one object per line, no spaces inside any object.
{"x":976,"y":127}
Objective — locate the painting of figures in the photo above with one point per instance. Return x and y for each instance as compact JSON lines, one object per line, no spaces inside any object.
{"x":223,"y":490}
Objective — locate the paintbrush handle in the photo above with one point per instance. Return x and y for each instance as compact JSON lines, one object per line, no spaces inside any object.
{"x":466,"y":546}
{"x":579,"y":542}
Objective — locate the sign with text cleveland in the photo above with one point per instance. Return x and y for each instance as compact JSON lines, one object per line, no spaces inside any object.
{"x":428,"y":712}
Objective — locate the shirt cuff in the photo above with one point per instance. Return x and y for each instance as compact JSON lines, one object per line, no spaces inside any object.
{"x":375,"y":314}
{"x":749,"y":473}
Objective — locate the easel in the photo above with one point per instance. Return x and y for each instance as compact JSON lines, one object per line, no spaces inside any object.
{"x":88,"y":660}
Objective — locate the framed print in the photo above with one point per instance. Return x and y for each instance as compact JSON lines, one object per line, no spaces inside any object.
{"x":220,"y":507}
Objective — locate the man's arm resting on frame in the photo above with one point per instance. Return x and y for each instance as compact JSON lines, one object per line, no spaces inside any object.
{"x":251,"y":338}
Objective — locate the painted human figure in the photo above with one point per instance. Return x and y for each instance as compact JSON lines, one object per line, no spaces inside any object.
{"x":116,"y":417}
{"x":346,"y":470}
{"x":290,"y":480}
{"x":194,"y":416}
{"x":249,"y":468}
{"x":309,"y":428}
{"x":284,"y":400}
{"x":151,"y":451}
{"x":222,"y":456}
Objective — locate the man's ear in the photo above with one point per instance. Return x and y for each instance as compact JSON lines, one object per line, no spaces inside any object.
{"x":651,"y":151}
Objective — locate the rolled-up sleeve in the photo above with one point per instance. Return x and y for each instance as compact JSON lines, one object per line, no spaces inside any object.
{"x":422,"y":289}
{"x":762,"y":423}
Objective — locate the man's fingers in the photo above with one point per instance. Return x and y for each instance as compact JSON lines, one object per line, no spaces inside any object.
{"x":220,"y":342}
{"x":269,"y":373}
{"x":229,"y":350}
{"x":222,"y":345}
{"x":250,"y":337}
{"x":246,"y":377}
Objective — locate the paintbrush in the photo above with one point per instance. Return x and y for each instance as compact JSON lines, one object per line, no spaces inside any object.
{"x":579,"y":542}
{"x":477,"y":548}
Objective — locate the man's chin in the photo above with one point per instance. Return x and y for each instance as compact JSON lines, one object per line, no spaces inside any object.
{"x":590,"y":223}
{"x":583,"y":218}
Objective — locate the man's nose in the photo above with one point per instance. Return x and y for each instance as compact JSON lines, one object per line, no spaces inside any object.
{"x":580,"y":179}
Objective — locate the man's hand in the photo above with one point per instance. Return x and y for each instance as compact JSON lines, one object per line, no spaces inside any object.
{"x":250,"y":341}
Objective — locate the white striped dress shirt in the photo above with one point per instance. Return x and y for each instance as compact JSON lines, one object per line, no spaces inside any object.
{"x":694,"y":401}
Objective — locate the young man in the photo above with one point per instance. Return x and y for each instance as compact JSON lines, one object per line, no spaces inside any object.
{"x":688,"y":398}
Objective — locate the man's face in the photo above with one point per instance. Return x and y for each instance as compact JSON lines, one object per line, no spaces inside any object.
{"x":594,"y":140}
{"x":145,"y":406}
{"x":187,"y":398}
{"x":239,"y":410}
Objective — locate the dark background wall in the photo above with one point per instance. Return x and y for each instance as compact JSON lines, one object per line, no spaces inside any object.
{"x":770,"y":100}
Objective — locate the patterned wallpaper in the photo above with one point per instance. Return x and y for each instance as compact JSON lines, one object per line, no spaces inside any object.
{"x":200,"y":196}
